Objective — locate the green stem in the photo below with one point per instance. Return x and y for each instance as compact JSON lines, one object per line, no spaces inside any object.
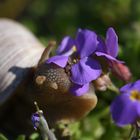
{"x":45,"y":131}
{"x":131,"y":132}
{"x":105,"y":112}
{"x":44,"y":128}
{"x":113,"y":88}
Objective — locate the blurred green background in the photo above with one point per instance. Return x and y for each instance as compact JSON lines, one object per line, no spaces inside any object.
{"x":53,"y":19}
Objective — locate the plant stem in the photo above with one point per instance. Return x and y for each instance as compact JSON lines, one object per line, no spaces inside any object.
{"x":44,"y":128}
{"x":113,"y":88}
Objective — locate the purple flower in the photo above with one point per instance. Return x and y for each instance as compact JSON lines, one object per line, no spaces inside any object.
{"x":109,"y":47}
{"x":66,"y":44}
{"x":125,"y":109}
{"x":84,"y":68}
{"x":35,"y":120}
{"x":79,"y":90}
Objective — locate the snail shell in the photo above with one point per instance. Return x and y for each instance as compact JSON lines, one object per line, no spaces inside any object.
{"x":19,"y":50}
{"x":21,"y":66}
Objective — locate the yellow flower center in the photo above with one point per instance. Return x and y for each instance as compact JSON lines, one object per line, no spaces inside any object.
{"x":74,"y":49}
{"x":135,"y":95}
{"x":74,"y":61}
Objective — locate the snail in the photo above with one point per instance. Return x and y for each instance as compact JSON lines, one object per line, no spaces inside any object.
{"x":25,"y":78}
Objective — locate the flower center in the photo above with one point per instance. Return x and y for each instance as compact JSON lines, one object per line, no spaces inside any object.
{"x":74,"y":49}
{"x":75,"y":60}
{"x":135,"y":95}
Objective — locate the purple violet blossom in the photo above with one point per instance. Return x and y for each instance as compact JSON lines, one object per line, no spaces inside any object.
{"x":125,"y":109}
{"x":84,"y":68}
{"x":35,"y":120}
{"x":108,"y":48}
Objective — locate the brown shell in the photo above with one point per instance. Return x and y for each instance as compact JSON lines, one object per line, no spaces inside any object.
{"x":19,"y":50}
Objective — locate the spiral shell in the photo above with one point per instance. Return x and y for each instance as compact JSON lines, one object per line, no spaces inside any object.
{"x":19,"y":51}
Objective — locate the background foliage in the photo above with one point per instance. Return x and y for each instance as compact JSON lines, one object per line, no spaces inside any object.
{"x":54,"y":19}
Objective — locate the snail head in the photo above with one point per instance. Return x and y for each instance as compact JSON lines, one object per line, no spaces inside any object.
{"x":50,"y":77}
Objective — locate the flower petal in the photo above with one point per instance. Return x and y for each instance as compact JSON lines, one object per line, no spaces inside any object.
{"x":58,"y":60}
{"x":130,"y":87}
{"x":66,"y":45}
{"x":101,"y":45}
{"x":86,"y":42}
{"x":35,"y":120}
{"x":86,"y":70}
{"x":79,"y":90}
{"x":124,"y":110}
{"x":111,"y":42}
{"x":108,"y":57}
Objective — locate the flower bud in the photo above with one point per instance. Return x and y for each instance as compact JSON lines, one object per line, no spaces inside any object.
{"x":35,"y":120}
{"x":121,"y":71}
{"x":102,"y":83}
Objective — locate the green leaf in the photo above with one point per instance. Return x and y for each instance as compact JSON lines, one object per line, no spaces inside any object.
{"x":21,"y":137}
{"x":2,"y":137}
{"x":34,"y":136}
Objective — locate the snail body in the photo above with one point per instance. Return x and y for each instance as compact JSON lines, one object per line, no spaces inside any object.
{"x":25,"y":78}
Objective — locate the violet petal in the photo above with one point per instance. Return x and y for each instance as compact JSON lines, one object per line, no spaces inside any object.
{"x":86,"y":70}
{"x":35,"y":120}
{"x":58,"y":60}
{"x":66,"y":44}
{"x":79,"y":90}
{"x":86,"y":42}
{"x":111,"y":42}
{"x":124,"y":110}
{"x":101,"y":45}
{"x":108,"y":57}
{"x":131,"y":86}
